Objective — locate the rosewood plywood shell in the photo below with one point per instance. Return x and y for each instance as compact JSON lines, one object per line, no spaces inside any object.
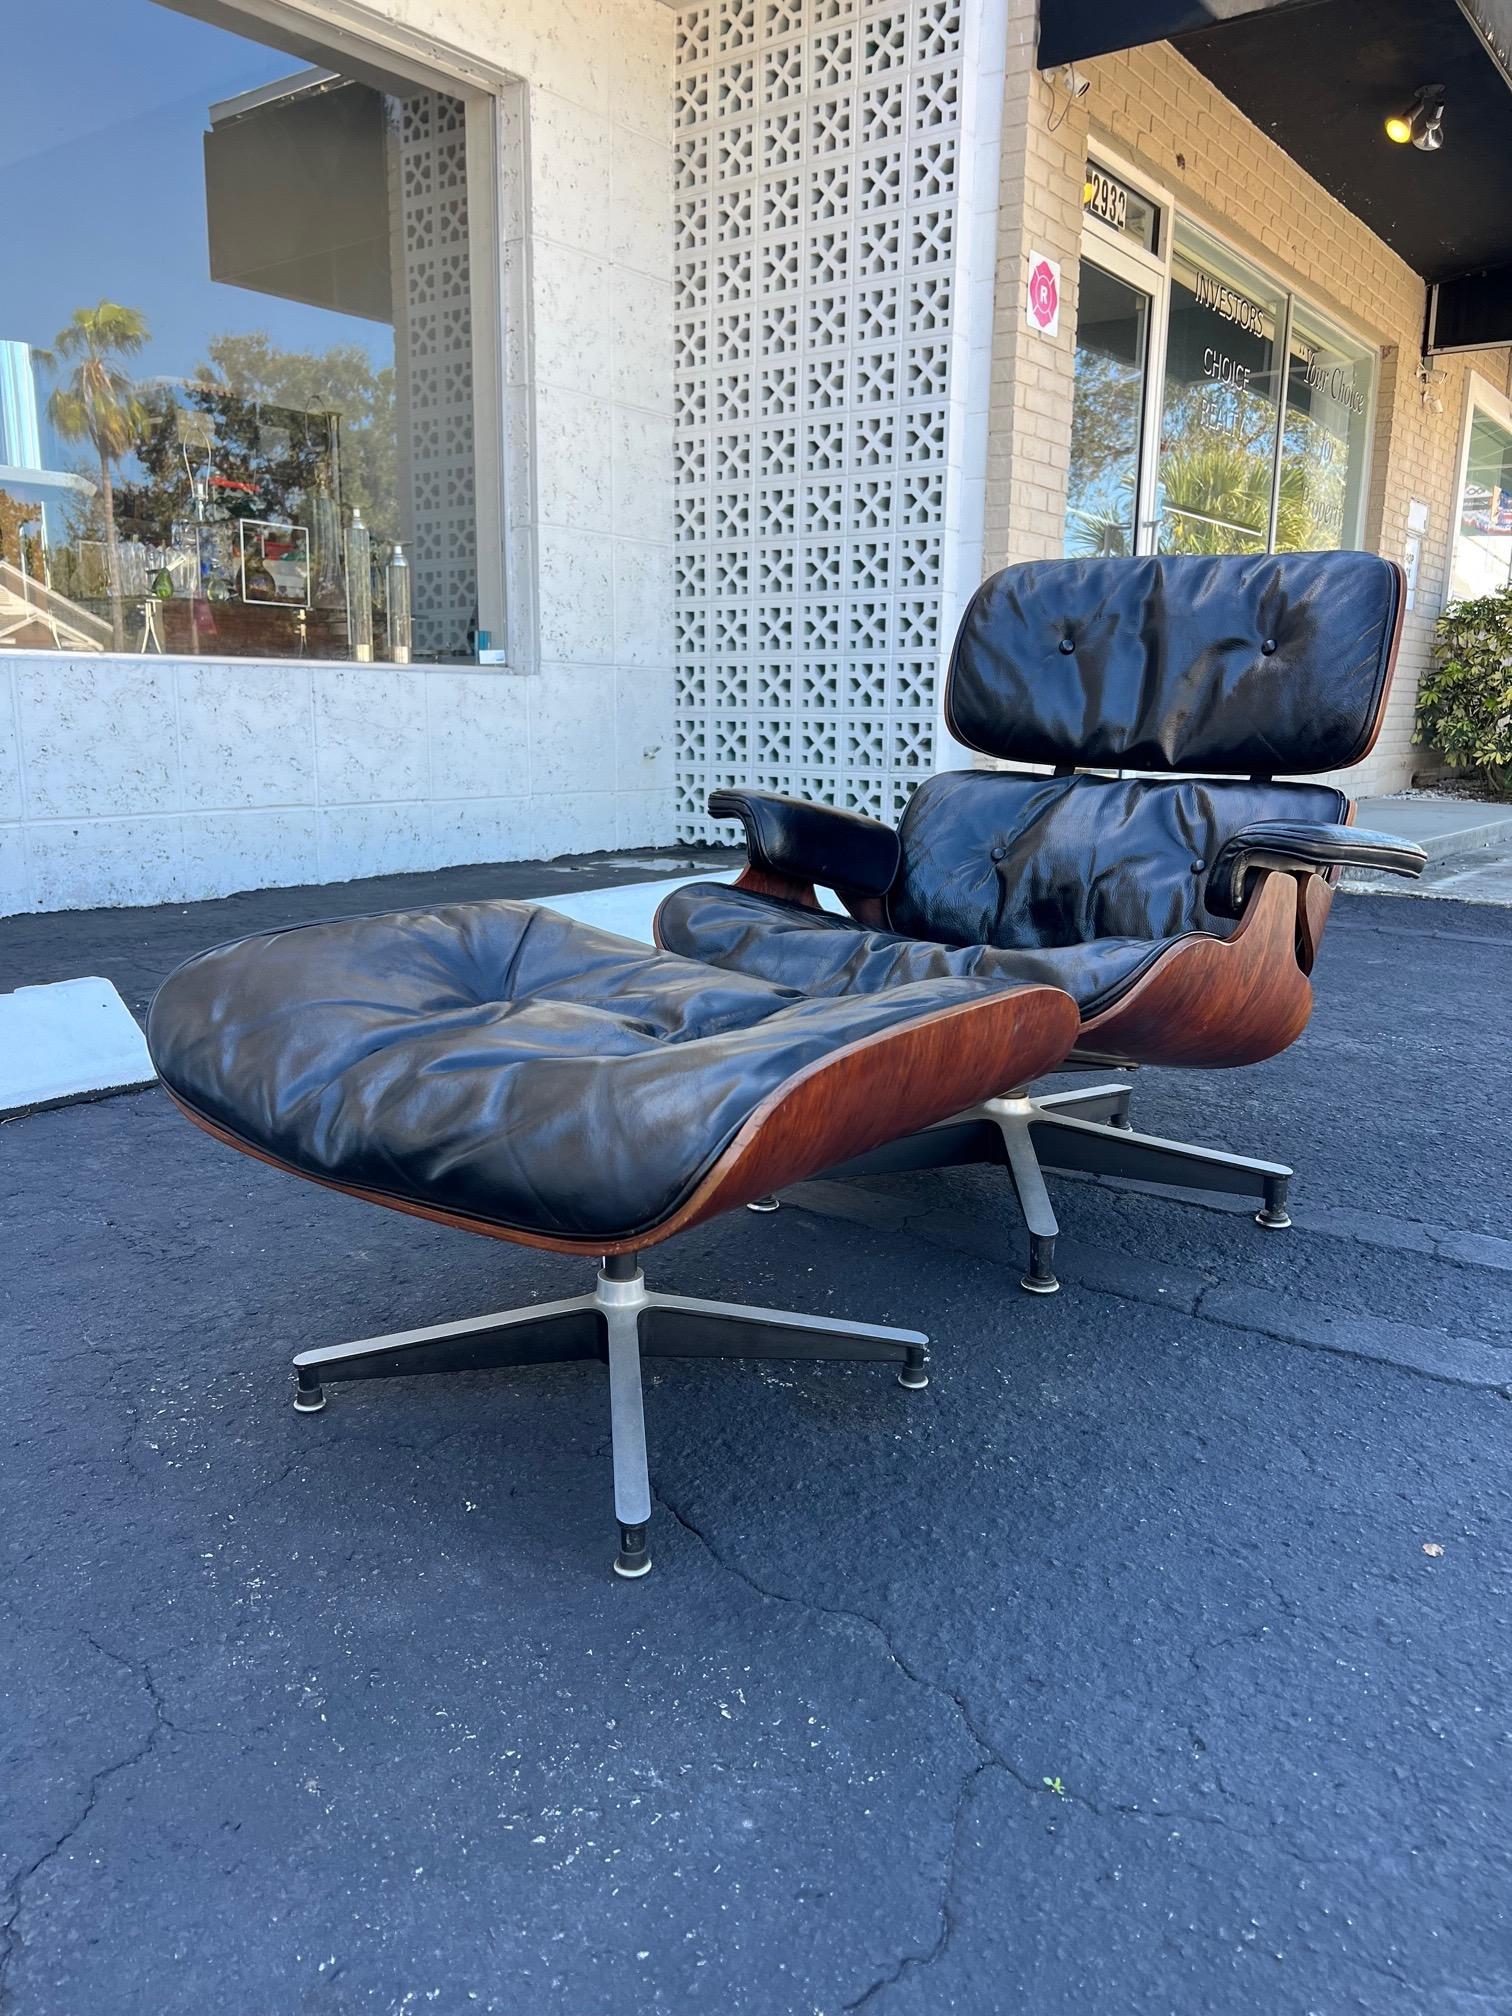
{"x":1216,"y":1001}
{"x":764,"y":882}
{"x":896,"y":1082}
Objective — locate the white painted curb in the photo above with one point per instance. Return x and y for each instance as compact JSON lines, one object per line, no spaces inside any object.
{"x":65,"y":1041}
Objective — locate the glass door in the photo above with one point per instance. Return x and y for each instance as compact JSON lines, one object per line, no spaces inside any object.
{"x":1120,"y":337}
{"x":1103,"y":503}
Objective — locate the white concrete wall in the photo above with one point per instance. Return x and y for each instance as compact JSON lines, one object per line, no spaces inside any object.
{"x":129,"y":781}
{"x":145,"y":780}
{"x":587,"y":177}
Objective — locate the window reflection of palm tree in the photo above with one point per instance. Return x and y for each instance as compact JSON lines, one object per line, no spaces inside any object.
{"x":1215,"y":498}
{"x":98,"y":403}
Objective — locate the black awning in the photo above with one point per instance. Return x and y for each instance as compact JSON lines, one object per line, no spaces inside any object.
{"x":1322,"y":80}
{"x":1321,"y":77}
{"x":296,"y":200}
{"x":1072,"y":30}
{"x":1492,"y":21}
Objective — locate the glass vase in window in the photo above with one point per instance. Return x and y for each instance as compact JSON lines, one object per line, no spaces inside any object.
{"x":398,"y":572}
{"x":359,"y":558}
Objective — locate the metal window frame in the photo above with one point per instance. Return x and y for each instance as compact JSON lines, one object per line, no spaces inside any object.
{"x":1481,"y":396}
{"x":1150,"y":273}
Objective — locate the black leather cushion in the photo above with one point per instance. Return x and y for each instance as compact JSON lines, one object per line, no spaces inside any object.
{"x":1263,"y":665}
{"x":1000,"y":858}
{"x":826,"y":954}
{"x":1292,"y":843}
{"x":816,"y":843}
{"x":494,"y":1059}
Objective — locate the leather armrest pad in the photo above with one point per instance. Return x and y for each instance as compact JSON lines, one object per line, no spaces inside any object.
{"x":1290,"y":844}
{"x":815,"y":843}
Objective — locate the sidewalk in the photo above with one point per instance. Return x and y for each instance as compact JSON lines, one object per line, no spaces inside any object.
{"x":1468,"y":842}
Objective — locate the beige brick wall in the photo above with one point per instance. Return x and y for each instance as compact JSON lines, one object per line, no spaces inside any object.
{"x":1039,"y":209}
{"x":1171,"y":124}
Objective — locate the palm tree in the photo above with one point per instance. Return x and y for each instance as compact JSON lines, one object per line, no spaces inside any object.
{"x":98,"y":404}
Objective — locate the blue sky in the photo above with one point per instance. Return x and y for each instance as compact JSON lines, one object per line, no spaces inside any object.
{"x":102,"y":180}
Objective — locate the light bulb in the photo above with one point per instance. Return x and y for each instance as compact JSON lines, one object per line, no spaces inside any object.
{"x":1399,"y":128}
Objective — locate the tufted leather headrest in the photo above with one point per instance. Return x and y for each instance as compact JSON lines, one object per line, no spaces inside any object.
{"x":1274,"y":664}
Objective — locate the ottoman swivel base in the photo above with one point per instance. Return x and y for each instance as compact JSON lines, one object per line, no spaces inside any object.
{"x":621,"y":1323}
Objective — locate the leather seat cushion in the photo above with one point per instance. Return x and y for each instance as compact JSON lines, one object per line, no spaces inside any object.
{"x":826,"y":954}
{"x":496,"y":1060}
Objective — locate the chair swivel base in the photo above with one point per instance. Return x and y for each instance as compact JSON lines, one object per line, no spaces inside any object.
{"x":620,"y":1323}
{"x":1085,"y":1130}
{"x":1088,"y":1131}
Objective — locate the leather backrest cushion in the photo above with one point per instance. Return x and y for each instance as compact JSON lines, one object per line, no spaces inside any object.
{"x":1260,"y":664}
{"x":994,"y":858}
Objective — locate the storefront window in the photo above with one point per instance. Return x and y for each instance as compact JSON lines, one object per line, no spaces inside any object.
{"x":1482,"y":562}
{"x":1222,"y":398}
{"x":236,"y":348}
{"x":1324,"y":443}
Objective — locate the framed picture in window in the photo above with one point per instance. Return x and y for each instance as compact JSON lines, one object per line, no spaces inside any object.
{"x":275,"y":563}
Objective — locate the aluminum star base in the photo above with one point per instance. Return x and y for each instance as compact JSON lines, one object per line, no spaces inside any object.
{"x":1086,"y":1130}
{"x":621,"y":1322}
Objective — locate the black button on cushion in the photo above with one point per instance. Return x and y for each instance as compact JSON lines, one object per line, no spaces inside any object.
{"x":998,"y":853}
{"x":496,"y":1060}
{"x":1067,"y":644}
{"x":1268,"y":646}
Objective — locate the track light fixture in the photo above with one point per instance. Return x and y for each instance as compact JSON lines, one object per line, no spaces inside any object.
{"x":1422,"y":123}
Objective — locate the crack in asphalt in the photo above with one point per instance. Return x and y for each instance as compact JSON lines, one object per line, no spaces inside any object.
{"x":1252,"y":1327}
{"x":15,"y":1889}
{"x":989,"y":1756}
{"x":909,"y":1963}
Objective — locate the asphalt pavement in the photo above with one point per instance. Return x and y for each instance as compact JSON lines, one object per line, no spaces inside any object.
{"x":1152,"y":1662}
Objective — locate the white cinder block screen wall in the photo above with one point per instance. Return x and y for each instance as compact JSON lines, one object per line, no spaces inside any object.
{"x":433,"y":361}
{"x":836,"y":183}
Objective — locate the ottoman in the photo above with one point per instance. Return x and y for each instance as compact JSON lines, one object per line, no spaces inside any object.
{"x":496,"y":1067}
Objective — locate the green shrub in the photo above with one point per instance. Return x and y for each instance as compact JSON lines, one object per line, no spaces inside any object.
{"x":1465,"y":702}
